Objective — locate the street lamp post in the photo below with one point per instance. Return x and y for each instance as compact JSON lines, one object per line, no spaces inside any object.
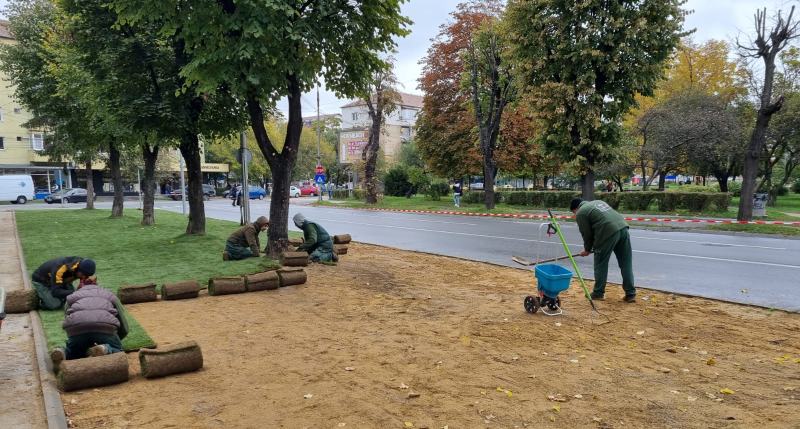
{"x":183,"y":184}
{"x":319,"y":156}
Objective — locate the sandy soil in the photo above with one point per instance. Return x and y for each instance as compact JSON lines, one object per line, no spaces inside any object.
{"x":392,"y":339}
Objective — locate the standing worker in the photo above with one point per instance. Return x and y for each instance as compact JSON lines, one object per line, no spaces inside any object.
{"x":604,"y":231}
{"x":243,"y":243}
{"x":457,"y":191}
{"x":316,"y":241}
{"x":52,"y":281}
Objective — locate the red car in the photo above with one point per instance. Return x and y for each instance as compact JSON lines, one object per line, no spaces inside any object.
{"x":309,"y":190}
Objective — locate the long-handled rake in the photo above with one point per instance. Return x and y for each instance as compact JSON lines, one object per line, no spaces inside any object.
{"x":595,"y":311}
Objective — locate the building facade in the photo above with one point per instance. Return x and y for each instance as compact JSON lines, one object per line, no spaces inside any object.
{"x":397,"y":129}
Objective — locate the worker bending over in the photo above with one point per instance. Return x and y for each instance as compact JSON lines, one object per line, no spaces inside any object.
{"x":243,"y":243}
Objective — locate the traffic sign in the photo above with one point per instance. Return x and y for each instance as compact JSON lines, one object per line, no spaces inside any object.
{"x":319,"y":178}
{"x":319,"y":169}
{"x":248,"y":156}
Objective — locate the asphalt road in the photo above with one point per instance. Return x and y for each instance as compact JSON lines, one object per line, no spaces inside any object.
{"x":737,"y":268}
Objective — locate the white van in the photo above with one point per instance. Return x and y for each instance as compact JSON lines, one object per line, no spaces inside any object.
{"x":16,"y":188}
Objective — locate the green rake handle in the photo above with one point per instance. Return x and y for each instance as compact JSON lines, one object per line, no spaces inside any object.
{"x":555,"y":224}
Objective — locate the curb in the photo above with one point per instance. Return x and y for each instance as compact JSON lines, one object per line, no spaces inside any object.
{"x":544,"y":217}
{"x":53,"y":407}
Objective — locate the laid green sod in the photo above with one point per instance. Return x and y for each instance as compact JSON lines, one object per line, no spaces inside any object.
{"x":128,"y":253}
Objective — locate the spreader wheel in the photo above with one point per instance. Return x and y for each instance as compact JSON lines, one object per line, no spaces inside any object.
{"x":532,"y":304}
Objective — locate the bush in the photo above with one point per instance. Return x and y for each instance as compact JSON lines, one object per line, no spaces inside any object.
{"x":396,"y":182}
{"x":437,"y":190}
{"x":780,"y":191}
{"x":796,"y":186}
{"x":477,"y":197}
{"x":693,"y":188}
{"x":735,"y":188}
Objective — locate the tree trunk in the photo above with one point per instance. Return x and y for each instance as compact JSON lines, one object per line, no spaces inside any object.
{"x":190,"y":149}
{"x":489,"y":172}
{"x":722,"y":180}
{"x":280,"y":163}
{"x":148,"y":205}
{"x":587,"y":185}
{"x":89,"y":186}
{"x":116,"y":180}
{"x":370,"y":157}
{"x":662,"y":181}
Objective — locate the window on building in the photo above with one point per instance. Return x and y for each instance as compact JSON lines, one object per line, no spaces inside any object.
{"x":405,"y":134}
{"x":19,"y":139}
{"x":355,"y":116}
{"x":17,"y":110}
{"x":2,"y":143}
{"x":37,"y":141}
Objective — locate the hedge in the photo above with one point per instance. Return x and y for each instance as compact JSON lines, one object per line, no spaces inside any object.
{"x":343,"y":194}
{"x":627,"y":201}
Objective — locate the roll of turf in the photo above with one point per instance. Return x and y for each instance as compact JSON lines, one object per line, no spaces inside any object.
{"x":341,"y":239}
{"x":292,"y":276}
{"x":133,"y":294}
{"x":267,"y":280}
{"x":21,"y":301}
{"x":181,"y":290}
{"x":92,"y":372}
{"x":226,"y":286}
{"x":173,"y":359}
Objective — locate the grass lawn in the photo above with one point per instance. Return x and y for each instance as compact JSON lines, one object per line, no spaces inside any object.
{"x":128,"y":253}
{"x":421,"y":202}
{"x":757,"y":229}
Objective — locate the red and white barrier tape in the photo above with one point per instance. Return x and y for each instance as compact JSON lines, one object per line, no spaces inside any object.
{"x":634,"y":219}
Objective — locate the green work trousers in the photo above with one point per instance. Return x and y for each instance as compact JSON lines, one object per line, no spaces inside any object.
{"x":238,"y":252}
{"x":46,"y":299}
{"x":620,"y":245}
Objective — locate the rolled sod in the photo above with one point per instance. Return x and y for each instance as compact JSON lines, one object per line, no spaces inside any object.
{"x":294,"y":259}
{"x":21,"y":301}
{"x":181,"y":290}
{"x":292,"y":276}
{"x":267,"y":280}
{"x":132,"y":294}
{"x":296,"y":241}
{"x":168,"y":360}
{"x":341,"y":239}
{"x":226,"y":285}
{"x":340,"y":249}
{"x":92,"y":372}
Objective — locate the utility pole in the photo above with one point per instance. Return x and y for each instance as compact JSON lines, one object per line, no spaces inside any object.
{"x":183,"y":185}
{"x":245,"y":155}
{"x":139,"y":187}
{"x":319,"y":137}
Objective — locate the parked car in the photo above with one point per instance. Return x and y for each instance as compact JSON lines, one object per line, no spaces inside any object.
{"x":16,"y":188}
{"x":294,"y":192}
{"x":477,"y":186}
{"x":309,"y":190}
{"x":208,"y":192}
{"x":74,"y":195}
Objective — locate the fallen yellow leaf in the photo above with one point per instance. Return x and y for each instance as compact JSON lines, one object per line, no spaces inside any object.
{"x":711,"y":361}
{"x":408,"y":424}
{"x":556,"y":408}
{"x":726,"y":391}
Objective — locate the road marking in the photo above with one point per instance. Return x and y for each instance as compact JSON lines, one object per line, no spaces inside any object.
{"x":678,"y":255}
{"x":740,"y":261}
{"x":708,"y":242}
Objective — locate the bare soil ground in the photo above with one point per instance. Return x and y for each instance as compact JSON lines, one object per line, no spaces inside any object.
{"x":394,"y":339}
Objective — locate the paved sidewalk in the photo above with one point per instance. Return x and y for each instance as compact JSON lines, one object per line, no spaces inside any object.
{"x":20,"y":388}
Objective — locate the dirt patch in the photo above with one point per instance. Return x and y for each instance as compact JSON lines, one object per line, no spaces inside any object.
{"x":400,"y":339}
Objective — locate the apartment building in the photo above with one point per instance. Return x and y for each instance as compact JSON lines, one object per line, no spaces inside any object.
{"x":397,"y":130}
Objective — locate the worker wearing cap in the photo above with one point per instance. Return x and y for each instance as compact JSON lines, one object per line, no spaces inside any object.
{"x":243,"y":243}
{"x":604,"y":231}
{"x":53,"y":279}
{"x":316,"y":241}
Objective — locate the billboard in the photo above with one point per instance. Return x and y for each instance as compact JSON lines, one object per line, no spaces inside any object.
{"x":352,"y":145}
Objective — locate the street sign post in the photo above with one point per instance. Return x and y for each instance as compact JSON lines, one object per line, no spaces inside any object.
{"x":319,"y":179}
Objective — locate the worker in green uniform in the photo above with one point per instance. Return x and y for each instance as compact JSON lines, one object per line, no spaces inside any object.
{"x":243,"y":243}
{"x":604,"y":231}
{"x":316,"y":241}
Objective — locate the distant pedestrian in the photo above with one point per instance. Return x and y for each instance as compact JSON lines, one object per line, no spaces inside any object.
{"x":609,"y":186}
{"x":604,"y":231}
{"x":457,"y":190}
{"x":330,"y":190}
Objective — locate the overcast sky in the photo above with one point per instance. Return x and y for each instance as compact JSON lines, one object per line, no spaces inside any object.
{"x":712,"y":19}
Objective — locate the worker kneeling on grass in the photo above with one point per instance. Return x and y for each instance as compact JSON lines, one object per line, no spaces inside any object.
{"x":52,"y":281}
{"x":94,"y":323}
{"x":316,"y":241}
{"x":604,"y":231}
{"x":243,"y":243}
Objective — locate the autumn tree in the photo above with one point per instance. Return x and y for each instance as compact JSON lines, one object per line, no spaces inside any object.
{"x":765,"y":47}
{"x":584,"y":62}
{"x":446,"y":136}
{"x":517,"y":151}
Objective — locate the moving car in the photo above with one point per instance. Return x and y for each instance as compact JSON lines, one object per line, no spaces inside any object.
{"x":74,"y":195}
{"x":294,"y":192}
{"x":208,"y":192}
{"x":257,"y":192}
